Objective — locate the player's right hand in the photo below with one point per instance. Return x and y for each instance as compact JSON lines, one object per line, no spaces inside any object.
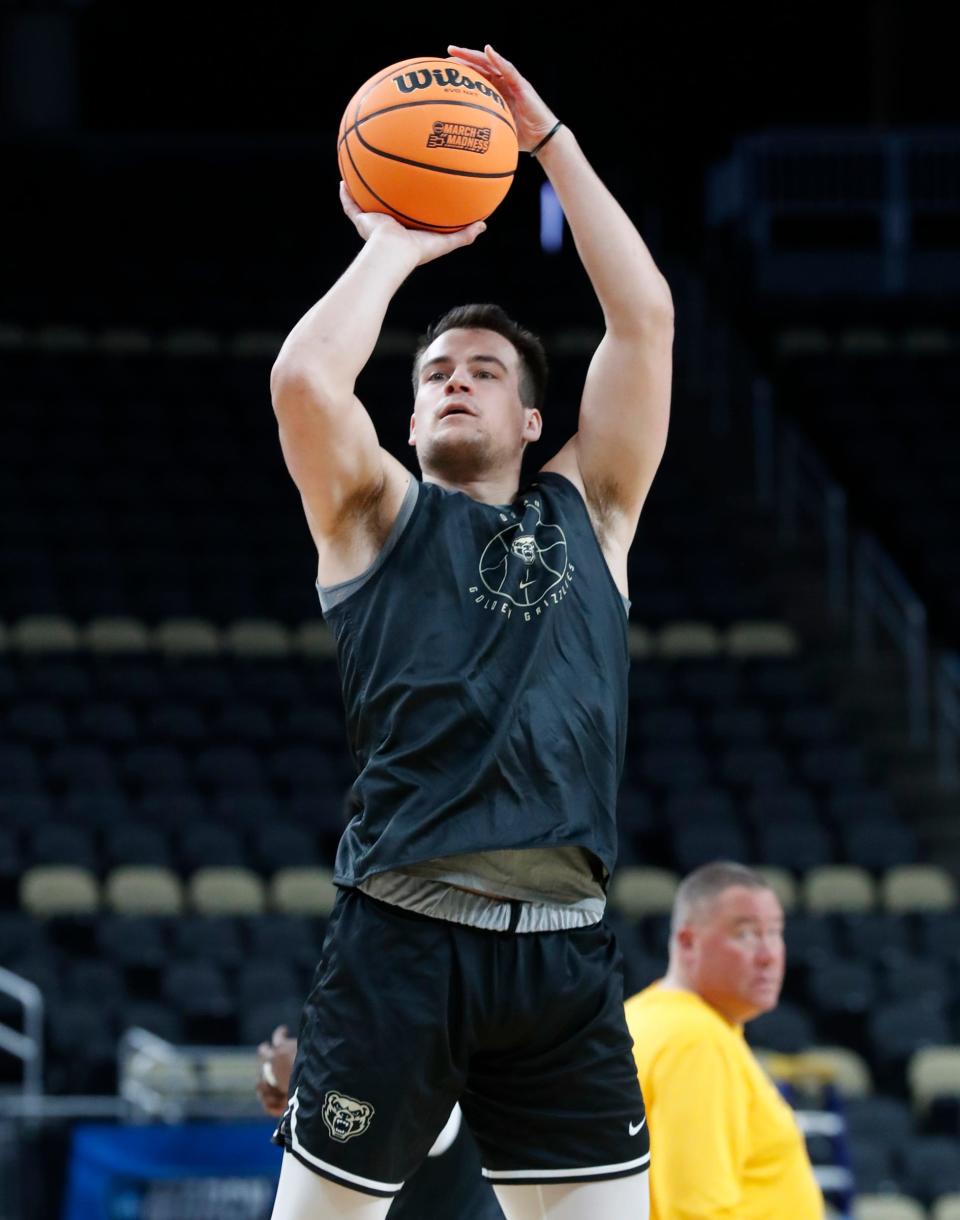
{"x":423,"y":245}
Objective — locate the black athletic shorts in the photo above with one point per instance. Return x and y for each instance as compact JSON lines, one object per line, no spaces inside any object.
{"x":409,"y":1014}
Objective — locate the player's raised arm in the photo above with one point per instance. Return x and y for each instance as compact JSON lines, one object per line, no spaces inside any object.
{"x":328,"y":439}
{"x":626,"y":399}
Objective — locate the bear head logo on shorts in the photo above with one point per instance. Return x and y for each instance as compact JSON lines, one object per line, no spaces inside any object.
{"x":346,"y":1117}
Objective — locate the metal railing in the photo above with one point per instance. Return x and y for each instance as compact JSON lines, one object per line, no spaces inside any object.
{"x":882,"y":597}
{"x":948,"y":719}
{"x":805,"y":488}
{"x":28,"y":1045}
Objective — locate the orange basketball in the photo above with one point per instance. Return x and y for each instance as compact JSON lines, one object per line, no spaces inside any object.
{"x":430,"y":142}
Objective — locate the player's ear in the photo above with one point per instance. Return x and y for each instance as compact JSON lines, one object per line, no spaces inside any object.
{"x":533,"y":426}
{"x":412,"y":439}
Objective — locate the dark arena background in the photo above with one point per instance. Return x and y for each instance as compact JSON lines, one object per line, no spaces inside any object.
{"x":173,"y":762}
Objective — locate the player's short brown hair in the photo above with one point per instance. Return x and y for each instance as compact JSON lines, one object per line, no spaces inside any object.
{"x":708,"y":882}
{"x":533,"y":358}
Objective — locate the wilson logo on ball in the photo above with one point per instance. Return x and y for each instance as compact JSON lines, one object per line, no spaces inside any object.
{"x":459,"y":135}
{"x":410,"y":82}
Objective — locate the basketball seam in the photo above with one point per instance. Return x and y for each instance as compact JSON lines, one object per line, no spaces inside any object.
{"x":435,"y":169}
{"x":427,"y":59}
{"x":392,"y":209}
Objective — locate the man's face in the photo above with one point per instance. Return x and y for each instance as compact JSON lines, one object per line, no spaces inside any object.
{"x":468,"y":418}
{"x":733,"y":952}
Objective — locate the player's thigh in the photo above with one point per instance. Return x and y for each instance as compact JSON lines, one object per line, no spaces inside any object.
{"x":304,"y":1195}
{"x":616,"y":1198}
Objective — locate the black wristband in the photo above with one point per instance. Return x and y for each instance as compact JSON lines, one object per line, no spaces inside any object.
{"x":552,"y":132}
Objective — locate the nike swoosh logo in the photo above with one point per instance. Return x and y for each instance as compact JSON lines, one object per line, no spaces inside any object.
{"x":524,"y":583}
{"x":636,"y":1128}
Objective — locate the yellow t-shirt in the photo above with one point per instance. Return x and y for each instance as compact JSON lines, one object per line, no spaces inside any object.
{"x":723,"y":1142}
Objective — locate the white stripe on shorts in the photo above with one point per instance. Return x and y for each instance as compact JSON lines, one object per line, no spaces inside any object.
{"x":333,"y":1170}
{"x":585,"y":1172}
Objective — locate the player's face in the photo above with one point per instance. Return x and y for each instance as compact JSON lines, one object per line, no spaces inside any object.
{"x":467,"y":416}
{"x":736,"y":954}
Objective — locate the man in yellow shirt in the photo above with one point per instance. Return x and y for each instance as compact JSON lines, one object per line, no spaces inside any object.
{"x":723,"y":1142}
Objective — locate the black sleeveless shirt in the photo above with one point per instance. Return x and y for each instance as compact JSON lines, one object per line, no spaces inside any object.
{"x":483,"y":659}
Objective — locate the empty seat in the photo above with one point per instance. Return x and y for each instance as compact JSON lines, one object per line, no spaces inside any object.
{"x":115,"y":634}
{"x":95,"y":810}
{"x":19,"y":771}
{"x":694,"y":846}
{"x":879,"y":1119}
{"x":257,"y":638}
{"x":209,"y":845}
{"x":175,"y":724}
{"x":872,"y":934}
{"x":702,"y":806}
{"x":105,"y":723}
{"x":261,"y":981}
{"x":57,"y":843}
{"x":888,"y":1207}
{"x":782,"y":884}
{"x":897,"y":1029}
{"x":143,"y":890}
{"x":305,"y":891}
{"x":934,"y":1072}
{"x":931,"y":1165}
{"x":761,"y":639}
{"x":879,"y":846}
{"x":842,"y":993}
{"x":676,"y":767}
{"x":754,"y":767}
{"x":786,"y":1029}
{"x":59,"y":889}
{"x":739,"y":725}
{"x":85,"y":769}
{"x":234,"y":891}
{"x":187,"y":637}
{"x":283,"y":846}
{"x":156,"y":769}
{"x":838,"y":887}
{"x":36,"y":722}
{"x":643,"y":891}
{"x":230,"y":769}
{"x":688,"y":639}
{"x":801,"y":847}
{"x":136,"y":844}
{"x":947,"y":1207}
{"x":809,"y":939}
{"x":834,"y":767}
{"x":212,"y":938}
{"x":918,"y":887}
{"x":847,"y":1070}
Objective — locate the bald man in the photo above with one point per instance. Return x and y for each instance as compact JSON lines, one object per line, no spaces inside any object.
{"x":724,"y":1143}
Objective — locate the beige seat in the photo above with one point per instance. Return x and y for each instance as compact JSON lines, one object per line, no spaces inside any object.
{"x":761,"y":639}
{"x":782,"y":884}
{"x":256,"y":343}
{"x":303,"y":891}
{"x":799,"y":341}
{"x":933,"y":1071}
{"x":315,"y":640}
{"x":44,"y":633}
{"x":640,"y":641}
{"x":194,"y":637}
{"x":124,"y":341}
{"x":888,"y":1207}
{"x":59,"y":889}
{"x":191,"y":341}
{"x":687,"y":639}
{"x":59,"y":338}
{"x":917,"y":887}
{"x":226,"y":891}
{"x":116,"y":635}
{"x":947,"y":1207}
{"x":143,"y":890}
{"x":643,"y":891}
{"x":257,"y":638}
{"x":838,"y":887}
{"x":843,"y":1067}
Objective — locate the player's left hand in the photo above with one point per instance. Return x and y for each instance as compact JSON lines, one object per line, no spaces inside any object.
{"x":532,"y":115}
{"x":276,"y":1062}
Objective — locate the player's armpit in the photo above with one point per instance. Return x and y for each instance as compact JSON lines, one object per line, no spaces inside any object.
{"x":331,"y":449}
{"x":624,"y":416}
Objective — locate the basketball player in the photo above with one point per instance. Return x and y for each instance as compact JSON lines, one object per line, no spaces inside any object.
{"x":481,"y":631}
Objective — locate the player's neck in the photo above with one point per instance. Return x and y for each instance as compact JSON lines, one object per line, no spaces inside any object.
{"x":495,"y":490}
